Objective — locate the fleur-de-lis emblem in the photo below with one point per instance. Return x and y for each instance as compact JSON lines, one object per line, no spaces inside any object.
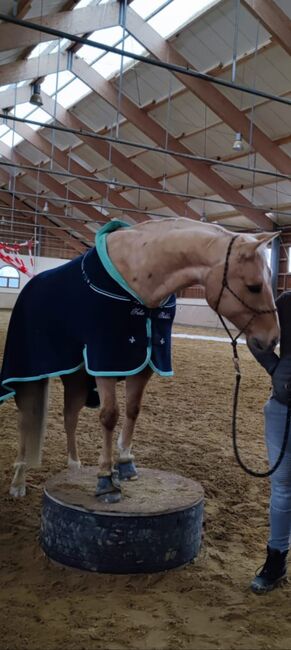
{"x":132,"y":339}
{"x":162,"y":341}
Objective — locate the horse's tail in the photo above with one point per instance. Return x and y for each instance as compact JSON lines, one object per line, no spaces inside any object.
{"x":31,"y":399}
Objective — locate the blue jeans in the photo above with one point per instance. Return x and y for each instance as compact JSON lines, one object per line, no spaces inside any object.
{"x":280,"y":502}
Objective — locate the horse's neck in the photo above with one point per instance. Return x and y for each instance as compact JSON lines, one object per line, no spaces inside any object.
{"x":158,"y":259}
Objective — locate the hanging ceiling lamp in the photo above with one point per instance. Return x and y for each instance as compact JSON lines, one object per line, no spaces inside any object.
{"x":237,"y":144}
{"x":35,"y":95}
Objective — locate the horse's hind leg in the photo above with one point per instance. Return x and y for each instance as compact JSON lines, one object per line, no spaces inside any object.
{"x":31,"y":400}
{"x":108,"y":487}
{"x":75,"y":396}
{"x":135,"y":385}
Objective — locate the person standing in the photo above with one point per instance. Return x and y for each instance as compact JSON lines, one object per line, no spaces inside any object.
{"x":274,"y":570}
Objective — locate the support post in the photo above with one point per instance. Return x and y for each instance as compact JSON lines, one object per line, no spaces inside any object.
{"x":275,"y":258}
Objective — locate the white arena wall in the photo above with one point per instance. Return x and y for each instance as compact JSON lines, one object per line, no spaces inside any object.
{"x":196,"y":311}
{"x":190,"y":311}
{"x":8,"y":296}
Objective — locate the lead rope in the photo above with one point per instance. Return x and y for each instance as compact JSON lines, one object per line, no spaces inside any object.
{"x":234,"y":428}
{"x":235,"y":359}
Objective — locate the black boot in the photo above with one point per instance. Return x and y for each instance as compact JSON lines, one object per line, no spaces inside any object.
{"x":273,"y":572}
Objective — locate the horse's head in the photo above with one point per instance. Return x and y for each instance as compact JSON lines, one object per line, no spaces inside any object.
{"x":239,"y":288}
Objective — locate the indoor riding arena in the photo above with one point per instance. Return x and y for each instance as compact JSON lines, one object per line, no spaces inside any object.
{"x":145,"y":227}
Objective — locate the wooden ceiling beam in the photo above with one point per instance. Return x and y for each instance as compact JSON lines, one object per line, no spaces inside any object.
{"x":32,"y":68}
{"x":75,"y":22}
{"x":158,"y":134}
{"x":59,"y":231}
{"x":23,"y":7}
{"x":53,"y":185}
{"x":49,"y":63}
{"x":10,"y":98}
{"x":62,"y":159}
{"x":208,"y":93}
{"x":275,"y":21}
{"x":109,"y":152}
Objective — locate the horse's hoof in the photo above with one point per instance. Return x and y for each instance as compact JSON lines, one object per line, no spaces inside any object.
{"x":108,"y":488}
{"x":111,"y":497}
{"x":74,"y":464}
{"x":127,"y":471}
{"x":17,"y":491}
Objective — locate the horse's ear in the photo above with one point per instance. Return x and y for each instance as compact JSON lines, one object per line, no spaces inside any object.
{"x":265,"y":238}
{"x":261,"y":239}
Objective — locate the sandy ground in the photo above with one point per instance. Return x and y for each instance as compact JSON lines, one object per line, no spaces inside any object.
{"x":184,"y":427}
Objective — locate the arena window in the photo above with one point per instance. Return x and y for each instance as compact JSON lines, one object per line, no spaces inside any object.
{"x":9,"y":278}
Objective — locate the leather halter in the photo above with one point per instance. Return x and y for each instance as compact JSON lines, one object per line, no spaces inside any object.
{"x":225,"y":285}
{"x":254,"y":312}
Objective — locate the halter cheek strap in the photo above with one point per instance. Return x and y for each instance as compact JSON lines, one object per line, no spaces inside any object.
{"x":225,"y":271}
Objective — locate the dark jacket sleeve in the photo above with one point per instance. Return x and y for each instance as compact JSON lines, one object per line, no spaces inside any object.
{"x":281,"y":375}
{"x":269,"y":360}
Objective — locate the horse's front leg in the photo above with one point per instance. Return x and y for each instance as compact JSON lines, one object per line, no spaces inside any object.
{"x":108,"y":486}
{"x":75,"y":395}
{"x":31,"y":400}
{"x":135,"y":385}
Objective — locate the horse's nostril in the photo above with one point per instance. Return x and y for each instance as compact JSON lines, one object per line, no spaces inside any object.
{"x":274,"y":342}
{"x":256,"y":344}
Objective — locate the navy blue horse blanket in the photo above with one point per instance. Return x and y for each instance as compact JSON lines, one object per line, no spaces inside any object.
{"x":83,"y":314}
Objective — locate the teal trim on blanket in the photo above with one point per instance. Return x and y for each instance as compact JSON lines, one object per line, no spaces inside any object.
{"x":45,"y":376}
{"x":5,"y":397}
{"x":101,"y":248}
{"x":161,"y":373}
{"x":124,"y":373}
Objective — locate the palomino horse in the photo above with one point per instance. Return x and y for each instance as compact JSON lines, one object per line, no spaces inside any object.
{"x":147,"y":263}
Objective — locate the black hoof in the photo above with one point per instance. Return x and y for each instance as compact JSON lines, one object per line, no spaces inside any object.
{"x":108,"y":488}
{"x":127,"y":471}
{"x":110,"y":497}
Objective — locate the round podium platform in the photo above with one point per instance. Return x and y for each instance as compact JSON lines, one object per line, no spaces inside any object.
{"x":156,"y":526}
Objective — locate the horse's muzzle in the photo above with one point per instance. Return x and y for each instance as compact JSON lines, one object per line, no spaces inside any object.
{"x":258,"y":345}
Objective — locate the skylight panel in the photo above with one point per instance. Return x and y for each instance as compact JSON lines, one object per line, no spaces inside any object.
{"x":146,"y":9}
{"x":39,"y":115}
{"x":177,"y":14}
{"x":39,"y":49}
{"x":63,"y":44}
{"x":11,"y":138}
{"x":110,"y":36}
{"x":73,"y":93}
{"x":3,"y":129}
{"x":132,"y":45}
{"x":49,"y":85}
{"x":110,"y":63}
{"x":22,"y":110}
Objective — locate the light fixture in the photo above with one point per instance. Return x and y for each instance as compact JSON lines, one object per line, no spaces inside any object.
{"x":45,"y":207}
{"x":203,"y":216}
{"x":35,"y":95}
{"x":237,"y":144}
{"x":113,"y":183}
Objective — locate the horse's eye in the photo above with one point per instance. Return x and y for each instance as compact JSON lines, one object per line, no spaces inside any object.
{"x":254,"y":288}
